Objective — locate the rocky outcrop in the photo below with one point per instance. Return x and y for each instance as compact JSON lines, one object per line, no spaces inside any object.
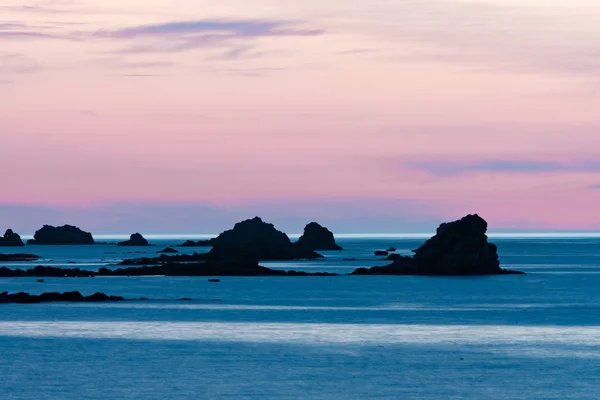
{"x":458,"y":248}
{"x":61,"y":235}
{"x":18,"y":257}
{"x":213,"y":268}
{"x":254,"y":239}
{"x":26,"y":298}
{"x":46,"y":272}
{"x":11,"y":239}
{"x":168,"y":250}
{"x":317,"y":237}
{"x":135,"y":240}
{"x":381,"y":253}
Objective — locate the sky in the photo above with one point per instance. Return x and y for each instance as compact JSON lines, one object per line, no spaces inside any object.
{"x":370,"y":116}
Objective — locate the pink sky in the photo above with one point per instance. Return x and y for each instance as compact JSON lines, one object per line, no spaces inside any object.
{"x":374,"y":116}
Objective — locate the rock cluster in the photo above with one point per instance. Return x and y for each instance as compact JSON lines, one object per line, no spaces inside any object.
{"x":18,"y":257}
{"x":11,"y":239}
{"x":61,"y":235}
{"x":26,"y":298}
{"x":254,"y":239}
{"x":458,"y":248}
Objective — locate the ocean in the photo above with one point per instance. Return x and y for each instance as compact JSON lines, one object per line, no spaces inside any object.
{"x":534,"y":336}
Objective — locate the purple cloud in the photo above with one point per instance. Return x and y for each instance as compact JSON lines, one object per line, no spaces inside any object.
{"x":187,"y":35}
{"x":449,"y":168}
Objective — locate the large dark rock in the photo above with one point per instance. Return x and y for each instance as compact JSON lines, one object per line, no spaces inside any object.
{"x":317,"y":237}
{"x":11,"y":239}
{"x":135,"y":240}
{"x":254,"y":239}
{"x":61,"y":235}
{"x":458,"y":248}
{"x":26,"y":298}
{"x":18,"y":257}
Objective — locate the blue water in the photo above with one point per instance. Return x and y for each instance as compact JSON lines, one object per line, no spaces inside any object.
{"x":505,"y":337}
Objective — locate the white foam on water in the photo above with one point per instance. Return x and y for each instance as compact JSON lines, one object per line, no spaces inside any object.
{"x":307,"y":333}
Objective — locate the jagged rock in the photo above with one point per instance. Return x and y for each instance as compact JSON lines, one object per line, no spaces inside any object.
{"x":135,"y":240}
{"x":18,"y":257}
{"x":26,"y":298}
{"x":61,"y":235}
{"x":317,"y":237}
{"x":11,"y":239}
{"x":254,"y":239}
{"x":168,"y":250}
{"x":458,"y":248}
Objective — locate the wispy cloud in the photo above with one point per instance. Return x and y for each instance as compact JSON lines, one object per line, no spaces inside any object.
{"x":449,"y":168}
{"x":188,"y":35}
{"x":15,"y":63}
{"x":493,"y":35}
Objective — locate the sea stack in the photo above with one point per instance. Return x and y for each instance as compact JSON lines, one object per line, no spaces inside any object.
{"x":135,"y":240}
{"x":458,"y":248}
{"x":317,"y":237}
{"x":254,"y":239}
{"x":61,"y":235}
{"x":11,"y":239}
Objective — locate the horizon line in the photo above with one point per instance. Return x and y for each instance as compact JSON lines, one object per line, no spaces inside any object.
{"x":496,"y":235}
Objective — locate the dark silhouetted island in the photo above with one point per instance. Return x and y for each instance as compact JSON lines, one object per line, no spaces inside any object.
{"x":18,"y":257}
{"x":254,"y":239}
{"x":11,"y":239}
{"x":61,"y":235}
{"x":168,"y":250}
{"x":317,"y":237}
{"x":458,"y":248}
{"x":26,"y":298}
{"x":135,"y":240}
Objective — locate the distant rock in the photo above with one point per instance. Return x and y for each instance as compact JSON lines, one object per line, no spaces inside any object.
{"x":254,"y":239}
{"x":26,"y":298}
{"x":18,"y":257}
{"x":391,"y":249}
{"x":135,"y":240}
{"x":381,"y":253}
{"x":168,"y":250}
{"x":317,"y":237}
{"x":199,"y":243}
{"x":11,"y":239}
{"x":458,"y":248}
{"x":62,"y":235}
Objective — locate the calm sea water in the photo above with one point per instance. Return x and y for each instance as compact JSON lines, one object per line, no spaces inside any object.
{"x":507,"y":337}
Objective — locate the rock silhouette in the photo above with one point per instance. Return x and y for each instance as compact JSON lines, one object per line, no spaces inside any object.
{"x":254,"y":239}
{"x":26,"y":298}
{"x":135,"y":240}
{"x":18,"y":257}
{"x":458,"y":248}
{"x":317,"y":237}
{"x":61,"y":235}
{"x":168,"y":250}
{"x":11,"y":239}
{"x":214,"y":268}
